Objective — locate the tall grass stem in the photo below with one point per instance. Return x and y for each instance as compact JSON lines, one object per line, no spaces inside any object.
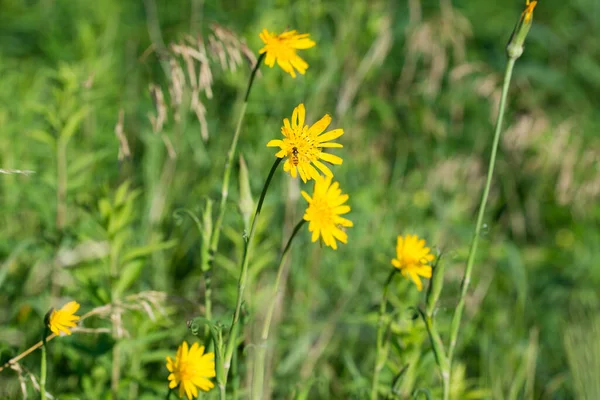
{"x":456,"y":319}
{"x":214,"y":240}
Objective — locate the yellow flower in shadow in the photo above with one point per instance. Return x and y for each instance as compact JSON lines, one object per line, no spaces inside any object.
{"x":191,"y":370}
{"x":413,"y":258}
{"x":303,"y":146}
{"x":282,"y":48}
{"x":61,"y":320}
{"x":324,"y":211}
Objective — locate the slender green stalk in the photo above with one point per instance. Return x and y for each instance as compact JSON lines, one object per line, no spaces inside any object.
{"x":456,"y":319}
{"x":261,"y":349}
{"x":169,"y":394}
{"x":232,"y":340}
{"x":228,"y":165}
{"x":43,"y":368}
{"x":438,"y":350}
{"x":207,"y":262}
{"x":380,"y":355}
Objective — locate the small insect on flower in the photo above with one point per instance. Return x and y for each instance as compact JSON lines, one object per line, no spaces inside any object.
{"x":413,"y":258}
{"x":304,"y":145}
{"x":61,"y":320}
{"x":294,"y":156}
{"x":191,"y":370}
{"x":282,"y":48}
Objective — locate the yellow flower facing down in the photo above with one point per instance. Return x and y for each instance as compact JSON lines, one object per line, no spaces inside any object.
{"x":324,"y":210}
{"x":413,"y":258}
{"x":303,"y":146}
{"x":61,"y":320}
{"x":191,"y":370}
{"x":282,"y":48}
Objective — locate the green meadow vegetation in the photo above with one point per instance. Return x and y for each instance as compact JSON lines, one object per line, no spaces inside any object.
{"x":136,"y":181}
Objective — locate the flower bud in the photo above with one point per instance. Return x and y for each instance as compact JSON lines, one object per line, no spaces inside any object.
{"x":514,"y":49}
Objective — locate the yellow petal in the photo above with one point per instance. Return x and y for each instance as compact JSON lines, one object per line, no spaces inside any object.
{"x":319,"y":126}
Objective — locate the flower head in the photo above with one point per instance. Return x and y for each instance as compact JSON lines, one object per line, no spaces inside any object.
{"x":528,"y":13}
{"x":61,"y":320}
{"x":413,"y":258}
{"x":303,"y":145}
{"x":282,"y":48}
{"x":191,"y":369}
{"x":324,"y":210}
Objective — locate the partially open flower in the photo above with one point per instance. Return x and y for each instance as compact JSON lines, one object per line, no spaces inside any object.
{"x":61,"y":320}
{"x":282,"y":48}
{"x":413,"y":258}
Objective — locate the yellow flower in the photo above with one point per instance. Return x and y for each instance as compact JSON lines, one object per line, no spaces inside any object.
{"x":528,"y":13}
{"x":413,"y":258}
{"x":303,"y":145}
{"x":282,"y":48}
{"x":63,"y":319}
{"x":191,"y":369}
{"x":324,"y":210}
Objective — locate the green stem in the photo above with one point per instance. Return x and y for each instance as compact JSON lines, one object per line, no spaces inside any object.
{"x":169,"y":394}
{"x":261,"y":349}
{"x":232,"y":340}
{"x":43,"y":367}
{"x":214,"y":243}
{"x":456,"y":319}
{"x":380,"y":355}
{"x":438,"y":349}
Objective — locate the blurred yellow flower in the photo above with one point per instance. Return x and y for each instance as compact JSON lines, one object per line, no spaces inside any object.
{"x":413,"y":258}
{"x":63,"y":319}
{"x":282,"y":48}
{"x":324,"y":210}
{"x":528,"y":13}
{"x":303,"y":145}
{"x":191,"y":369}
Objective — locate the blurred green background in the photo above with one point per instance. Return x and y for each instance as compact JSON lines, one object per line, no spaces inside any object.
{"x":414,"y":84}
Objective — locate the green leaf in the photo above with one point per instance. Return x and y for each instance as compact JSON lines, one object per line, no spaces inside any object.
{"x":42,"y":137}
{"x":73,"y":123}
{"x":128,"y":275}
{"x":149,"y":249}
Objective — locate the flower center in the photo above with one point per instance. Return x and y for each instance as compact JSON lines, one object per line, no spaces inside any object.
{"x":322,"y":212}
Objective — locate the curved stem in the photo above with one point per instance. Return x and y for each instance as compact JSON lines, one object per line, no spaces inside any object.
{"x":214,"y":243}
{"x":380,"y":355}
{"x":261,"y":349}
{"x":456,"y":319}
{"x":232,"y":340}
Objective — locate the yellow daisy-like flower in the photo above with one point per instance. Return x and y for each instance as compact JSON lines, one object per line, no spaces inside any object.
{"x":413,"y":258}
{"x":282,"y":48}
{"x":528,"y":13}
{"x":303,"y":146}
{"x":61,"y":320}
{"x":324,"y":210}
{"x":191,"y":370}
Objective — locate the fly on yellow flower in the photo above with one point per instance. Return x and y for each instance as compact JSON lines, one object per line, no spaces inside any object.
{"x":304,"y":146}
{"x":324,"y":210}
{"x":282,"y":48}
{"x":191,"y":370}
{"x":61,"y":320}
{"x":413,"y":258}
